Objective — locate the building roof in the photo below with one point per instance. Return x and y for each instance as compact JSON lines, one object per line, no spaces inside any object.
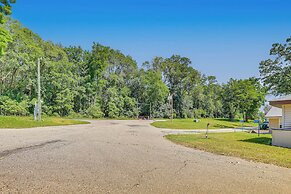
{"x":281,"y":101}
{"x":274,"y":112}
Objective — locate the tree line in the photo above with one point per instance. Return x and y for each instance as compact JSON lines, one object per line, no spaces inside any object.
{"x":103,"y":82}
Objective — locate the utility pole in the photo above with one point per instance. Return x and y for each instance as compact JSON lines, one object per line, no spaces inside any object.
{"x":137,"y":108}
{"x":171,"y":102}
{"x":35,"y":110}
{"x":38,"y":90}
{"x":150,"y":110}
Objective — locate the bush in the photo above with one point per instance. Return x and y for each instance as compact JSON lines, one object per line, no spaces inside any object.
{"x":95,"y":112}
{"x":74,"y":115}
{"x":10,"y":107}
{"x":55,"y":114}
{"x":130,"y":109}
{"x":113,"y":111}
{"x":161,"y":111}
{"x":199,"y":113}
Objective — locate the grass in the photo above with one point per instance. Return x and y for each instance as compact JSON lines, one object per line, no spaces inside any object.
{"x":28,"y":122}
{"x":202,"y":124}
{"x":244,"y":145}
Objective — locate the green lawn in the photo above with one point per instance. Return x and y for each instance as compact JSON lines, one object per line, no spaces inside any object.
{"x":240,"y":144}
{"x":28,"y":122}
{"x":202,"y":124}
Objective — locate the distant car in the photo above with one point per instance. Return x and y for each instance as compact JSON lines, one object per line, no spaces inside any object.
{"x":264,"y":125}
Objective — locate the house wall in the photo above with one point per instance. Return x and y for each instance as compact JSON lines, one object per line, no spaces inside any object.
{"x":274,"y":123}
{"x":286,"y":119}
{"x":281,"y":138}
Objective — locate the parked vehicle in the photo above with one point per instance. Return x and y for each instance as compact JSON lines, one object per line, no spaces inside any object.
{"x":264,"y":125}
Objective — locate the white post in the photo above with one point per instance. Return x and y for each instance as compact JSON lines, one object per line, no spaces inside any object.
{"x":35,"y":110}
{"x":171,"y":102}
{"x":137,"y":110}
{"x":150,"y":110}
{"x":38,"y":90}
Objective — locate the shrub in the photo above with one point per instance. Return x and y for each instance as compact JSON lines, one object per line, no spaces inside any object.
{"x":95,"y":112}
{"x":55,"y":114}
{"x":113,"y":111}
{"x":74,"y":115}
{"x":12,"y":107}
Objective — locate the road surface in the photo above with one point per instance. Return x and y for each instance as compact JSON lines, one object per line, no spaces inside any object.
{"x":123,"y":157}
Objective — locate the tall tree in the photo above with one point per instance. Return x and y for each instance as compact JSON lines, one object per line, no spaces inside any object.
{"x":276,"y":72}
{"x":80,"y":60}
{"x":105,"y":82}
{"x":153,"y":94}
{"x":243,"y":96}
{"x":180,"y":78}
{"x":5,"y":38}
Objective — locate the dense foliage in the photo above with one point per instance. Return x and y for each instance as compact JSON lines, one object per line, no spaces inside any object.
{"x":104,"y":82}
{"x":243,"y":96}
{"x":276,"y":72}
{"x":5,"y":38}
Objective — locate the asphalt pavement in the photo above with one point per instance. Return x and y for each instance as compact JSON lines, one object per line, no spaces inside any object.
{"x":123,"y":157}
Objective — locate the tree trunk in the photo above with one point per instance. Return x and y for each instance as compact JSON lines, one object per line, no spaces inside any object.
{"x":231,"y":116}
{"x":246,"y":117}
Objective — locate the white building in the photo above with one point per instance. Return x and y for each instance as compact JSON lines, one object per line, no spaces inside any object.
{"x":274,"y":117}
{"x":282,"y":136}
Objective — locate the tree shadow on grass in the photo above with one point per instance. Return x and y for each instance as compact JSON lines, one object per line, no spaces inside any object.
{"x":220,"y":126}
{"x":228,"y":120}
{"x":259,"y":140}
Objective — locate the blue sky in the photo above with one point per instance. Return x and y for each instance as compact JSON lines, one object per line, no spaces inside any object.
{"x":225,"y":38}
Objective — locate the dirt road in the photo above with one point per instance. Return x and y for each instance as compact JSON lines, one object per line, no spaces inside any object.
{"x":123,"y":157}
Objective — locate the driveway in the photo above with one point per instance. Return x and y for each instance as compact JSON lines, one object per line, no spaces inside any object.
{"x":123,"y":157}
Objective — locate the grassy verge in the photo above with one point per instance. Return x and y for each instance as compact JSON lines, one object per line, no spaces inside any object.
{"x":240,"y":144}
{"x":202,"y":124}
{"x":28,"y":122}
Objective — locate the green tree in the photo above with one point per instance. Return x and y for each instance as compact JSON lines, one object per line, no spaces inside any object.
{"x":229,"y":98}
{"x":153,"y":93}
{"x":105,"y":82}
{"x":5,"y":8}
{"x":276,"y":72}
{"x":243,"y":96}
{"x":180,"y":78}
{"x":5,"y":38}
{"x":84,"y":90}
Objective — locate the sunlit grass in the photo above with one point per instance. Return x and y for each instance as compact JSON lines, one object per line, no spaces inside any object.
{"x":202,"y":124}
{"x":28,"y":122}
{"x":244,"y":145}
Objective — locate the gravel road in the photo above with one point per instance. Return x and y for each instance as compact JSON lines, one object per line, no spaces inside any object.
{"x":123,"y":157}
